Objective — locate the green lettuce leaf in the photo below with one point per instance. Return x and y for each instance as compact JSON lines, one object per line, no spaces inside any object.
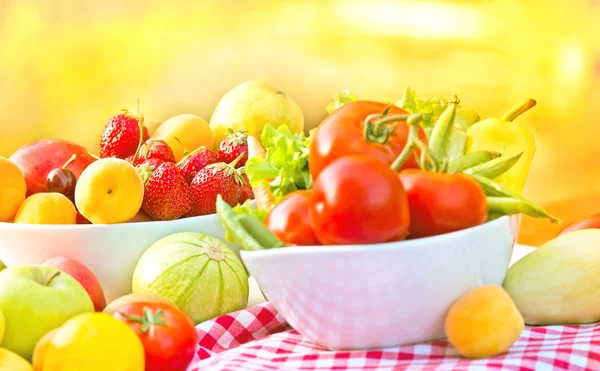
{"x":431,"y":109}
{"x":285,"y":166}
{"x":339,"y":99}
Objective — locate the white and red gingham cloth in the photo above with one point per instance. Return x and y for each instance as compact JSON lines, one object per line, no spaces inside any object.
{"x":258,"y":338}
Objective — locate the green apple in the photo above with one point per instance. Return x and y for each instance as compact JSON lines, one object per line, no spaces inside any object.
{"x":35,"y":300}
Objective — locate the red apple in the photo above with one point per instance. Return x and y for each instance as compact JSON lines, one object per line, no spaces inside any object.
{"x":83,"y":275}
{"x":38,"y":158}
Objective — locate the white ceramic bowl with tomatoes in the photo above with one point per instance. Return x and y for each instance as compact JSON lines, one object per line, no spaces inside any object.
{"x":381,"y":295}
{"x":110,"y":251}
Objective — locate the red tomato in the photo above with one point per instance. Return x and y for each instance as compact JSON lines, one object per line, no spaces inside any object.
{"x":168,"y":334}
{"x":358,"y":200}
{"x":441,"y":203}
{"x":589,"y":222}
{"x":290,"y":221}
{"x":341,"y":134}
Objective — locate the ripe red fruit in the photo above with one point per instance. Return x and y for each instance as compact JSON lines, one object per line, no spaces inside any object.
{"x":166,"y":193}
{"x":156,"y":148}
{"x":215,"y":179}
{"x":234,"y":145}
{"x":121,"y":135}
{"x":247,"y":192}
{"x":290,"y":220}
{"x":193,"y":162}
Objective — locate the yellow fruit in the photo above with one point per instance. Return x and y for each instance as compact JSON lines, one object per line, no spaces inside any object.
{"x":39,"y":352}
{"x":10,"y":361}
{"x":46,"y":208}
{"x":2,"y":326}
{"x":94,"y":342}
{"x":483,"y":322}
{"x":109,"y":191}
{"x":250,"y":106}
{"x":12,"y":189}
{"x":190,"y":130}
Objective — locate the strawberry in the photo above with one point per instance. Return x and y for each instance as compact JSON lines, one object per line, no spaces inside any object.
{"x":247,"y":193}
{"x":234,"y":145}
{"x":121,"y":135}
{"x":156,"y":148}
{"x":196,"y":161}
{"x":215,"y":179}
{"x":166,"y":193}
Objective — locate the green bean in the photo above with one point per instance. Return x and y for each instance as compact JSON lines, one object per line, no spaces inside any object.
{"x":509,"y":205}
{"x":441,"y":132}
{"x":234,"y":228}
{"x":470,"y":160}
{"x":492,"y":188}
{"x":260,"y":233}
{"x":495,"y":192}
{"x":495,"y":167}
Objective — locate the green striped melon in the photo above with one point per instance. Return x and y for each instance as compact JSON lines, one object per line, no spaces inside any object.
{"x":199,"y":273}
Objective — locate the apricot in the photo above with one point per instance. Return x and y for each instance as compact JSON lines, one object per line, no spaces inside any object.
{"x":46,"y":208}
{"x":184,"y":131}
{"x":12,"y":189}
{"x":483,"y":322}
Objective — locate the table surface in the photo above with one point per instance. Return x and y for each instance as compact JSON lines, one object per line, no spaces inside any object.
{"x":256,"y":297}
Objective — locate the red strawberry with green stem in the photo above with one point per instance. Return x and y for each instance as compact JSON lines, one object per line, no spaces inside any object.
{"x":156,"y":148}
{"x":166,"y":193}
{"x":121,"y":135}
{"x":193,"y":162}
{"x":234,"y":145}
{"x":215,"y":179}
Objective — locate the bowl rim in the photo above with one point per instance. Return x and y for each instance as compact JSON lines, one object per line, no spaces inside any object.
{"x":383,"y":246}
{"x":82,"y":227}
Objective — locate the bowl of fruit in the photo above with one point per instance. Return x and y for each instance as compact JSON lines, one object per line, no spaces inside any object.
{"x":367,"y":231}
{"x":104,"y":211}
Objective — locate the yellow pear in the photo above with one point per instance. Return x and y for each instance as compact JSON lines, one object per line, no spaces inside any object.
{"x":250,"y":106}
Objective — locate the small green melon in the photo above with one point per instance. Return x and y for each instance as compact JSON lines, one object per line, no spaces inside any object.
{"x":199,"y":273}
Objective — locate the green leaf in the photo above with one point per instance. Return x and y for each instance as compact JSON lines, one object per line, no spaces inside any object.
{"x":248,"y":209}
{"x":339,"y":99}
{"x":431,"y":109}
{"x":285,"y":166}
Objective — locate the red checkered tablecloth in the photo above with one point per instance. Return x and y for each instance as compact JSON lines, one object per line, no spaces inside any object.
{"x":258,"y":338}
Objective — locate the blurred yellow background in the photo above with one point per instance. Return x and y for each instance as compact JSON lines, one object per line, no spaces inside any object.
{"x":66,"y":66}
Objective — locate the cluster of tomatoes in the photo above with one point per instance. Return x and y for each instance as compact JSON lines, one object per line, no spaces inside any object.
{"x":362,"y":194}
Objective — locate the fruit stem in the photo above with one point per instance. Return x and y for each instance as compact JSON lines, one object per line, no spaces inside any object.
{"x":237,"y":159}
{"x":185,"y":150}
{"x":71,"y":159}
{"x":148,"y":319}
{"x":412,"y":142}
{"x":56,"y":274}
{"x":94,"y":156}
{"x":377,"y":132}
{"x":518,"y":110}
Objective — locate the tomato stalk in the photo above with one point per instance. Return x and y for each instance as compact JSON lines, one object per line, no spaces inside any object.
{"x":376,"y":129}
{"x":148,"y":319}
{"x":413,"y":142}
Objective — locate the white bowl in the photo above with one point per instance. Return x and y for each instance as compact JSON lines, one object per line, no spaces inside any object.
{"x":110,"y":251}
{"x":373,"y":296}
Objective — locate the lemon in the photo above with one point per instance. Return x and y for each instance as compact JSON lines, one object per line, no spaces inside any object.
{"x":10,"y":361}
{"x":192,"y":131}
{"x":12,"y":189}
{"x":94,"y":342}
{"x":46,"y":208}
{"x":109,"y":191}
{"x":250,"y":106}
